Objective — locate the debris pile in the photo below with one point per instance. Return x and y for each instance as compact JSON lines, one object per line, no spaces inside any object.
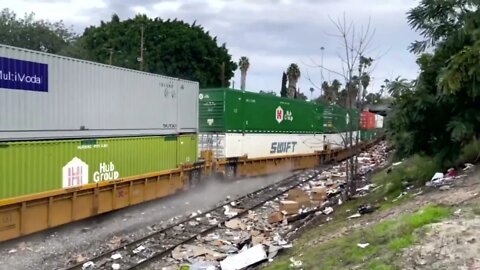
{"x":259,"y":235}
{"x":445,"y":180}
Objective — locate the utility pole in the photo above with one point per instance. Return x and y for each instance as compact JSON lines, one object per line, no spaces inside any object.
{"x":141,"y":47}
{"x":321,"y":70}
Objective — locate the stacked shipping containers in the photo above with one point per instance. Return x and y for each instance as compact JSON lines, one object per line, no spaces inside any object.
{"x":236,"y":123}
{"x":371,"y":125}
{"x":66,"y":122}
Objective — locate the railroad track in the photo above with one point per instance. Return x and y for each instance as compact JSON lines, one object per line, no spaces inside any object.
{"x":159,"y":244}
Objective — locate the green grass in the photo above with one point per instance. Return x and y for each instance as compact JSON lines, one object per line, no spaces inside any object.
{"x":416,"y":171}
{"x":386,"y":239}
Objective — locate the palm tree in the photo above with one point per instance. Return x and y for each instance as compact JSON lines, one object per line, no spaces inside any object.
{"x":293,"y":74}
{"x":244,"y":65}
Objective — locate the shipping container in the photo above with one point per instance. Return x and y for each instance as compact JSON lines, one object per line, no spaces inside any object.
{"x":378,"y":121}
{"x":367,"y":120}
{"x":29,"y":167}
{"x":367,"y":135}
{"x":255,"y":145}
{"x":227,"y":110}
{"x":45,"y":96}
{"x":338,"y":119}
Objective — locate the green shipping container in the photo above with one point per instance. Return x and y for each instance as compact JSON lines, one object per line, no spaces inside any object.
{"x":367,"y":135}
{"x":39,"y":166}
{"x":338,"y":119}
{"x":228,"y":110}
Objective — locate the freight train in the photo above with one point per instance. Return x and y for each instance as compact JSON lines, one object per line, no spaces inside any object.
{"x":78,"y":138}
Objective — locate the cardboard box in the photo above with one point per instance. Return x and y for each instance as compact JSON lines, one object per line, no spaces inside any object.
{"x":319,"y":193}
{"x":275,"y":218}
{"x":299,"y":196}
{"x":290,"y":207}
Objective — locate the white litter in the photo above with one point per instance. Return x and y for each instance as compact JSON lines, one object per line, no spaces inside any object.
{"x":88,"y":265}
{"x":115,"y":266}
{"x":245,"y":258}
{"x":116,"y":256}
{"x":138,"y":249}
{"x":295,"y":263}
{"x":357,"y":215}
{"x":328,"y":210}
{"x":360,"y":245}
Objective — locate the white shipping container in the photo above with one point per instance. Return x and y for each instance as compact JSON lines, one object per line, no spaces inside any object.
{"x":378,"y":121}
{"x":49,"y":96}
{"x":229,"y":145}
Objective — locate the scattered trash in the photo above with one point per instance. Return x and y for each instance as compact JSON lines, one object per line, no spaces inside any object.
{"x":235,"y":224}
{"x":457,"y":212}
{"x":115,"y":266}
{"x":116,"y":256}
{"x":295,"y":263}
{"x":244,"y":259}
{"x":468,"y":166}
{"x":357,"y":215}
{"x":202,"y":266}
{"x":328,"y":210}
{"x":88,"y":265}
{"x":138,"y":249}
{"x":275,"y":217}
{"x":364,"y":245}
{"x":366,"y":209}
{"x":290,"y":207}
{"x":12,"y":251}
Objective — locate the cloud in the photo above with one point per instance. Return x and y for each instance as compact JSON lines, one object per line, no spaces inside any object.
{"x":272,"y":33}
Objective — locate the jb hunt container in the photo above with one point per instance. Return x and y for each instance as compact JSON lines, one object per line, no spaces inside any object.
{"x":30,"y":167}
{"x":233,"y":111}
{"x":45,"y":96}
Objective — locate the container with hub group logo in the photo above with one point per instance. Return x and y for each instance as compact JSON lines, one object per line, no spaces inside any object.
{"x":32,"y":167}
{"x":45,"y":96}
{"x":233,"y":111}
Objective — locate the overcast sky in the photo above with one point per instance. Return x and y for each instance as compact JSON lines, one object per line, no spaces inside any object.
{"x":272,"y":33}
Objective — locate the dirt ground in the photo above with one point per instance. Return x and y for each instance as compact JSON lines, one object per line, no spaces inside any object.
{"x":451,"y":244}
{"x":76,"y":242}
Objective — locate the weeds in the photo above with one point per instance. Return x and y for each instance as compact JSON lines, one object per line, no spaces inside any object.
{"x":386,"y":240}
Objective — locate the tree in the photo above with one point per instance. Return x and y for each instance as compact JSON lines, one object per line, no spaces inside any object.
{"x":284,"y":89}
{"x":244,"y":64}
{"x":356,"y":67}
{"x":268,"y":92}
{"x":437,"y":114}
{"x":293,"y":74}
{"x":171,"y":47}
{"x":300,"y":95}
{"x":39,"y":35}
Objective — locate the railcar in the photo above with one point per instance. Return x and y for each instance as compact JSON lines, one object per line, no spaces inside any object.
{"x":78,"y":138}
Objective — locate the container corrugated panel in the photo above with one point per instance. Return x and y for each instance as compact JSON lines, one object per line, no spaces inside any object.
{"x":29,"y":167}
{"x":367,"y":120}
{"x":48,"y":96}
{"x":187,"y":108}
{"x":266,"y":145}
{"x":228,"y":110}
{"x":378,"y":121}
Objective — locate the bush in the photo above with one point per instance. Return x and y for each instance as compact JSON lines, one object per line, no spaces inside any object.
{"x":469,"y":153}
{"x":416,"y":170}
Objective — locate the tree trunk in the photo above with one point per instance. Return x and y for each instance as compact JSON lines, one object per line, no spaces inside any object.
{"x":292,"y":88}
{"x":243,"y":79}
